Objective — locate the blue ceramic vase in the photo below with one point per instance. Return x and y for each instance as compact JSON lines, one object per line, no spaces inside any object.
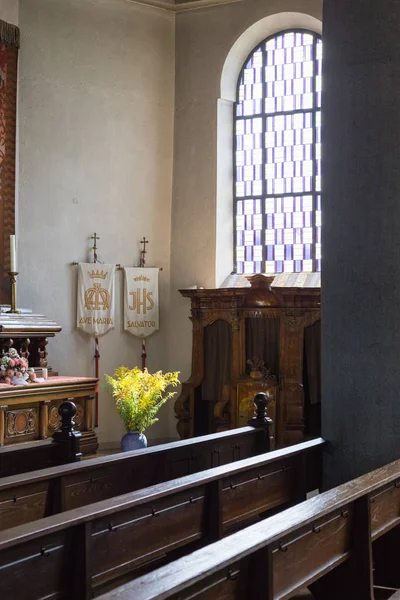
{"x":133,"y":441}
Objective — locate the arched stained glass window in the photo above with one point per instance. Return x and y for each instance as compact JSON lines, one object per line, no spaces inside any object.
{"x":277,"y":156}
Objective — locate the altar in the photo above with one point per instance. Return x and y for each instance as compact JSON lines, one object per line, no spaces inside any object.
{"x":29,"y":413}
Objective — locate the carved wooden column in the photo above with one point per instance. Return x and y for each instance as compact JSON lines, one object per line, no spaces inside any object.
{"x":291,"y":375}
{"x":184,"y":405}
{"x":237,"y":328}
{"x":2,"y":423}
{"x":44,"y":419}
{"x":24,"y":348}
{"x":89,"y":413}
{"x":5,"y":345}
{"x":43,"y":352}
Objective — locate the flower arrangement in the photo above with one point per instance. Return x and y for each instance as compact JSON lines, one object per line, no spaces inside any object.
{"x":13,"y":366}
{"x":140,"y":394}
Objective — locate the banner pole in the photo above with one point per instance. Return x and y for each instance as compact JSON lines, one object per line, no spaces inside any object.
{"x":96,"y":403}
{"x":144,"y":355}
{"x":96,"y":345}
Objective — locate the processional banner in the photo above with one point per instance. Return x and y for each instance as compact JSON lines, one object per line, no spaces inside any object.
{"x":141,"y":316}
{"x":96,"y":302}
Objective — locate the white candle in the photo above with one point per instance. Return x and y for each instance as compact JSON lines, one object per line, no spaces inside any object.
{"x":13,"y":254}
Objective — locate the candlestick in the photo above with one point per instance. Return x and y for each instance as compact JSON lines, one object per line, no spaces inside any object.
{"x":13,"y":255}
{"x":13,"y":279}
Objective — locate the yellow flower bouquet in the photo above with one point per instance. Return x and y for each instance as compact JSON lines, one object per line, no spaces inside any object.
{"x":138,"y":396}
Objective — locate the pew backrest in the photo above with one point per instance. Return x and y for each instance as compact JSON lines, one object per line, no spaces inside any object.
{"x":326,"y":540}
{"x":34,"y":495}
{"x":117,"y":536}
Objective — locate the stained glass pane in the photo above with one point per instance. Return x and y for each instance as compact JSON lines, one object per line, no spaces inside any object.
{"x":278,"y":156}
{"x":249,"y":244}
{"x":250,"y":87}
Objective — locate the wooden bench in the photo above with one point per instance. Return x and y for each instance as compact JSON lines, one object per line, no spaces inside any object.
{"x":328,"y":543}
{"x":34,"y":495}
{"x":79,"y":551}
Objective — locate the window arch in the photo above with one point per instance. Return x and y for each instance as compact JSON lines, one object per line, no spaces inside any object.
{"x":277,"y":156}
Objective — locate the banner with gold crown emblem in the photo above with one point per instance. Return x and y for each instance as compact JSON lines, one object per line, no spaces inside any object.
{"x":141,"y":311}
{"x":96,"y":303}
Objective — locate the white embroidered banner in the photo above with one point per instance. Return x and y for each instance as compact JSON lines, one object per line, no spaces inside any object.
{"x":96,"y":303}
{"x":141,"y":301}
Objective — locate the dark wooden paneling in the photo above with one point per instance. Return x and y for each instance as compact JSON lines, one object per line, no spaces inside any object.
{"x":39,"y":572}
{"x":94,"y":485}
{"x":385,"y":509}
{"x":24,"y":505}
{"x":259,"y":490}
{"x":325,"y":543}
{"x":122,"y":534}
{"x":126,"y":540}
{"x":80,"y":484}
{"x":311,"y":551}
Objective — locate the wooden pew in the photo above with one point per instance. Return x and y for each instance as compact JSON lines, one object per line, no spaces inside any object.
{"x":79,"y":551}
{"x":30,"y":496}
{"x":327,"y":543}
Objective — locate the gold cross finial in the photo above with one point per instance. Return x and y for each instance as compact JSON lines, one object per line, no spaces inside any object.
{"x":94,"y":237}
{"x":143,"y":252}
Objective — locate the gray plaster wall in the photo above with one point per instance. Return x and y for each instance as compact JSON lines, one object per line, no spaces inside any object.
{"x":361,"y":247}
{"x":96,"y":109}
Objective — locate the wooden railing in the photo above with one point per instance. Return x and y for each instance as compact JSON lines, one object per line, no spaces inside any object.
{"x":76,"y":553}
{"x":328,"y":543}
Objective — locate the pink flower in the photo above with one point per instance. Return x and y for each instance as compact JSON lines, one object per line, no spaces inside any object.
{"x":12,"y":362}
{"x":10,"y":373}
{"x":24,"y":363}
{"x":7,"y":381}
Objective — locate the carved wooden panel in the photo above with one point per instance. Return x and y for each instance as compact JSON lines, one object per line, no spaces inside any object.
{"x":80,"y":416}
{"x":21,"y":422}
{"x":54,"y":418}
{"x":55,"y":421}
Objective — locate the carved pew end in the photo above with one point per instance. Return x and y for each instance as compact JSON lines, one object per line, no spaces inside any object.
{"x":67,"y":439}
{"x":262,"y":421}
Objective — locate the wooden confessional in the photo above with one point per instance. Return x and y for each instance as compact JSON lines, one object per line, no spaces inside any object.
{"x":258,"y":337}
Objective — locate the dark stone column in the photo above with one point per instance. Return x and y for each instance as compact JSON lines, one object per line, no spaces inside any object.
{"x":361,"y":236}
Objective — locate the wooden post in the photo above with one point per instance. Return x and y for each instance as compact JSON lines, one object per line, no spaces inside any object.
{"x":81,"y":585}
{"x":262,"y":421}
{"x":44,"y":419}
{"x":2,"y":424}
{"x":214,"y":511}
{"x":66,"y":437}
